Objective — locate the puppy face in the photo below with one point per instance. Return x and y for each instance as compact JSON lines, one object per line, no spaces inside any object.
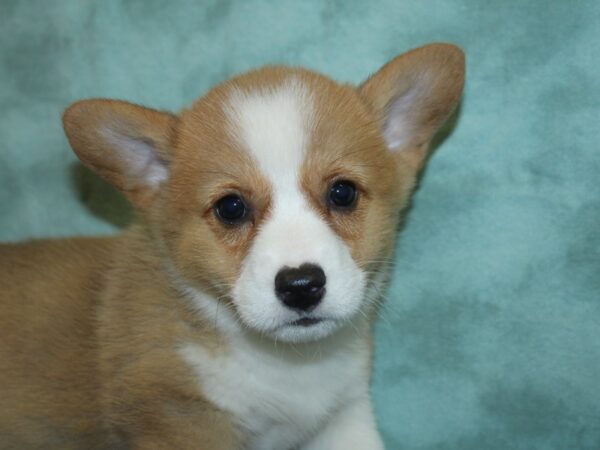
{"x":313,"y":195}
{"x":274,"y":198}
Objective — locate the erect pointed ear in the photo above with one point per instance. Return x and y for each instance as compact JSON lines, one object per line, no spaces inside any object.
{"x":413,"y":95}
{"x":126,"y":144}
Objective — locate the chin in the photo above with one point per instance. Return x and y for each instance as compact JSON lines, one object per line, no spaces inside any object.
{"x":305,"y":330}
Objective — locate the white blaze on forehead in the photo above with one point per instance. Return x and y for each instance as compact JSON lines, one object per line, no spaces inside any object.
{"x":274,"y":124}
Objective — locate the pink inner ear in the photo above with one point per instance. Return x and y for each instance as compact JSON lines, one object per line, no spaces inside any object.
{"x":400,"y":127}
{"x":138,"y":160}
{"x":406,"y":113}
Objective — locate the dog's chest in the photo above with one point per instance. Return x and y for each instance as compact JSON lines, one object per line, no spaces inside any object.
{"x":278,"y":400}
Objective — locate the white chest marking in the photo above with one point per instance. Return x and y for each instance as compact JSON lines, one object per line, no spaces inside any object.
{"x":280,"y":398}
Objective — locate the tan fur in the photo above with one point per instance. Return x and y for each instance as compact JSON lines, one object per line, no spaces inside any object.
{"x":90,"y":328}
{"x":48,"y":349}
{"x":133,"y":121}
{"x":442,"y":68}
{"x":53,"y":356}
{"x":354,"y":150}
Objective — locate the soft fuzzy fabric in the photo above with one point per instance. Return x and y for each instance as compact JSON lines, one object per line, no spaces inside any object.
{"x":490,"y":338}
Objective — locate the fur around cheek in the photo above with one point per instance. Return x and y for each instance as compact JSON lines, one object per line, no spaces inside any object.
{"x":200,"y":257}
{"x":369,"y":251}
{"x":377,"y":231}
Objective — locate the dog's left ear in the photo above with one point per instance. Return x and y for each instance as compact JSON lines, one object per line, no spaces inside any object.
{"x":413,"y":95}
{"x":126,"y":144}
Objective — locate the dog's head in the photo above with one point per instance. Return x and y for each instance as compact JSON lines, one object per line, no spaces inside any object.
{"x":276,"y":196}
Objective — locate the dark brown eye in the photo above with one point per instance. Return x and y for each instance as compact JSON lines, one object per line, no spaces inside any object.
{"x":231,"y":209}
{"x":343,"y":194}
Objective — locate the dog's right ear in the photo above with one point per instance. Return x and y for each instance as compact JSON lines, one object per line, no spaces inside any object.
{"x":126,"y":144}
{"x":413,"y":95}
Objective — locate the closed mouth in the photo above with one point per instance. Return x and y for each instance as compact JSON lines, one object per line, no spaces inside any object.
{"x":306,"y":321}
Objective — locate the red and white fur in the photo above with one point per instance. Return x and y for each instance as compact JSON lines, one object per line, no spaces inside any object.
{"x":171,"y":335}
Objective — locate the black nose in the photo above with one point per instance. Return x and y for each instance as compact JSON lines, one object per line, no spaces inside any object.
{"x":300,"y":288}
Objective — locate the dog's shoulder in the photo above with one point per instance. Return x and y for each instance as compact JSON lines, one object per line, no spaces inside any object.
{"x":47,"y":339}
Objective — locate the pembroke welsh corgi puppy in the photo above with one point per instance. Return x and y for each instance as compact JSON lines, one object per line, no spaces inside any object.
{"x":235,"y":313}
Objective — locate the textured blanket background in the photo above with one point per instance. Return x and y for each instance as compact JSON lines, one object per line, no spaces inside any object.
{"x":491,"y":334}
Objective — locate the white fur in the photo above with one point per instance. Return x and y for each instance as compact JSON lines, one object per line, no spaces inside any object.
{"x":282,"y":396}
{"x":312,"y":388}
{"x":352,"y":428}
{"x":275,"y":127}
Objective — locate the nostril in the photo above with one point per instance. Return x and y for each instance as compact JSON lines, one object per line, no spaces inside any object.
{"x":307,"y":277}
{"x":301,"y":287}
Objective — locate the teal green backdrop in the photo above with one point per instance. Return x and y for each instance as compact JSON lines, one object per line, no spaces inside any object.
{"x":490,"y":337}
